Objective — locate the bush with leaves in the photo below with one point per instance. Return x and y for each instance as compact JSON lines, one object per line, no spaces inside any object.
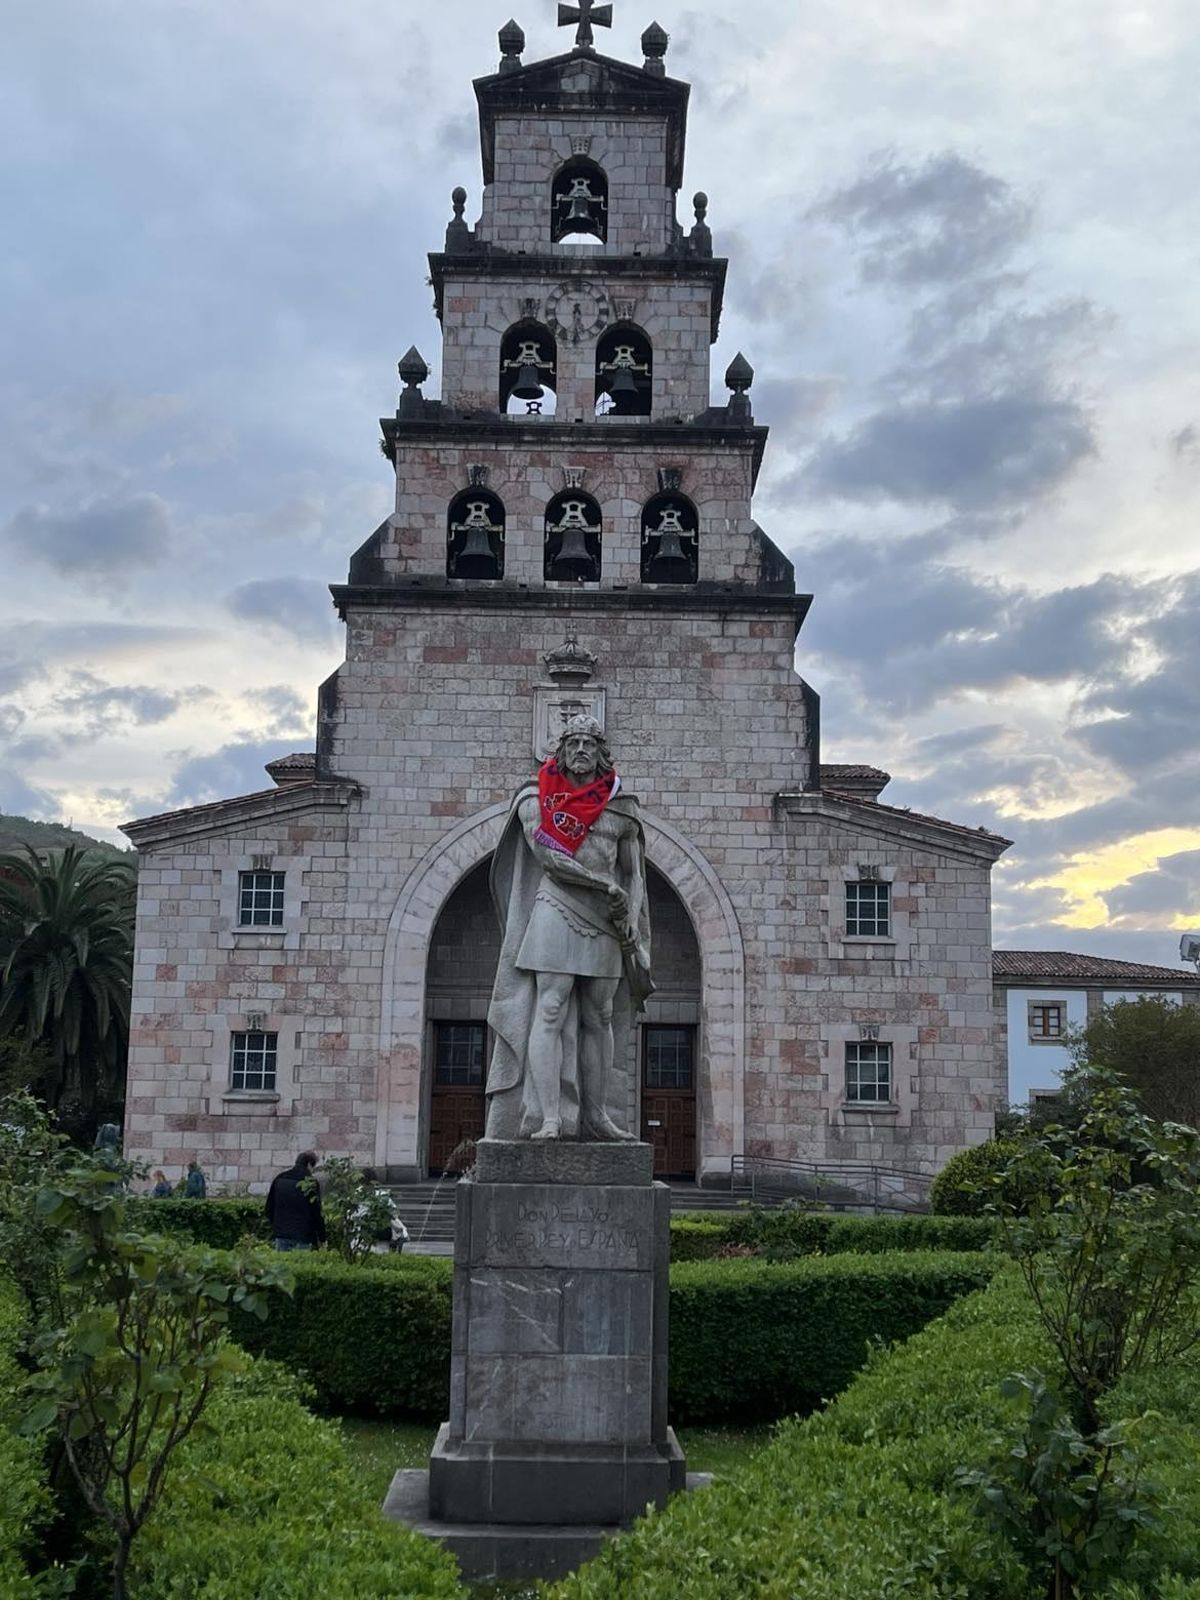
{"x":32,"y":1152}
{"x":966,"y":1185}
{"x":357,"y":1212}
{"x":1107,"y":1240}
{"x":129,"y":1365}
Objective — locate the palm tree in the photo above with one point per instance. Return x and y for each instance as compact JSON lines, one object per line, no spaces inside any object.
{"x":66,"y":967}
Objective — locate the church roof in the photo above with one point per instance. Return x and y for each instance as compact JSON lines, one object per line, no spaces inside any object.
{"x":1064,"y":967}
{"x":584,"y":81}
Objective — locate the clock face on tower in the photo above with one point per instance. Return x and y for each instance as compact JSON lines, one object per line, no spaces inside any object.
{"x":577,"y":311}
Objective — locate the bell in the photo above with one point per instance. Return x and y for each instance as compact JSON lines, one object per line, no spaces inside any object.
{"x":624,"y":389}
{"x":580,"y":211}
{"x":476,"y":559}
{"x":573,"y":560}
{"x":529,"y":383}
{"x":669,"y":564}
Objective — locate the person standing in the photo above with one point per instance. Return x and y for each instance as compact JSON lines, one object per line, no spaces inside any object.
{"x":196,"y":1184}
{"x":294,"y":1206}
{"x":162,"y":1189}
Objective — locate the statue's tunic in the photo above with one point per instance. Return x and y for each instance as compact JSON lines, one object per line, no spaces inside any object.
{"x":555,"y":927}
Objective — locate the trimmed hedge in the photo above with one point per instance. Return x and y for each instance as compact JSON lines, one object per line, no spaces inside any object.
{"x":25,"y":1505}
{"x":748,"y":1338}
{"x":373,"y":1338}
{"x":754,"y":1340}
{"x":789,"y":1233}
{"x":859,"y":1501}
{"x":270,"y":1507}
{"x":220,"y":1224}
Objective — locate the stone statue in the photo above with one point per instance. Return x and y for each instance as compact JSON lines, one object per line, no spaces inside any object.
{"x":569,"y":884}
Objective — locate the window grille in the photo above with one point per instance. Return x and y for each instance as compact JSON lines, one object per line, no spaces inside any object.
{"x":868,"y":910}
{"x":669,"y":1060}
{"x":253,"y":1059}
{"x":868,"y":1073}
{"x":1047,"y":1020}
{"x":260,"y":899}
{"x":459,"y":1054}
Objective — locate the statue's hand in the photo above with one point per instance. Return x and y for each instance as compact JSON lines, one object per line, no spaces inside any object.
{"x":618,"y":904}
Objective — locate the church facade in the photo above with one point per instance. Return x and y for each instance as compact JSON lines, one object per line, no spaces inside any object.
{"x":573,"y":534}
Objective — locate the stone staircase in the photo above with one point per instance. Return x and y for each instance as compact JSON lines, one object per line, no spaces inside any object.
{"x":428,"y":1208}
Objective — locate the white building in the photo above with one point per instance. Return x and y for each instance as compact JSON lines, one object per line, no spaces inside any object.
{"x":1042,"y":995}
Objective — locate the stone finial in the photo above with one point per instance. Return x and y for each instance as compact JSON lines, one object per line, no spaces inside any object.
{"x":701,"y":235}
{"x":740,"y":378}
{"x":413,"y":372}
{"x":512,"y":42}
{"x":655,"y":41}
{"x":458,"y":233}
{"x":570,"y":665}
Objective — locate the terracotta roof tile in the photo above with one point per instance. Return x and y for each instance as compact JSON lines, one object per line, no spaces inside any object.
{"x":1063,"y":966}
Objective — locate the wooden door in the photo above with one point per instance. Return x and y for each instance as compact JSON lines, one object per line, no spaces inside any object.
{"x":669,"y":1098}
{"x":458,"y":1107}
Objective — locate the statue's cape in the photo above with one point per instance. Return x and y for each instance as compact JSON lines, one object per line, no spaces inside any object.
{"x":515,"y":877}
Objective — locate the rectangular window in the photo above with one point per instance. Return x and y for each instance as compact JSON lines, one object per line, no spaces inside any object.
{"x":252,"y":1062}
{"x":669,"y":1059}
{"x":868,"y":910}
{"x":459,"y":1054}
{"x":260,"y":899}
{"x":868,"y":1073}
{"x":1047,"y":1021}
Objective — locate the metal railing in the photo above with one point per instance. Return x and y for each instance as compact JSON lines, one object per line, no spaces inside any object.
{"x":851,"y":1186}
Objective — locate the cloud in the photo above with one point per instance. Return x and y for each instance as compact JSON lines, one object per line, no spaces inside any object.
{"x":298,"y":607}
{"x":1186,"y":443}
{"x":289,"y":713}
{"x":1170,"y":892}
{"x":102,"y":707}
{"x":235,"y":769}
{"x":20,"y":799}
{"x":994,"y":451}
{"x":111,"y":535}
{"x":933,"y":223}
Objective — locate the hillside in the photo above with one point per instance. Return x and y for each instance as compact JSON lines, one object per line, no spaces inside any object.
{"x":18,"y":831}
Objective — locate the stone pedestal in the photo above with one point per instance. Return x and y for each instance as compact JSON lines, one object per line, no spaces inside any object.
{"x":558,"y":1408}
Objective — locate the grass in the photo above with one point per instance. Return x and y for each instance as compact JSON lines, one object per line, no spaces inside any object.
{"x":382,"y":1448}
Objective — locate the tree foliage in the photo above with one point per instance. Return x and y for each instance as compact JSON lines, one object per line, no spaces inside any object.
{"x":128,"y":1365}
{"x":66,"y":967}
{"x":1155,"y":1047}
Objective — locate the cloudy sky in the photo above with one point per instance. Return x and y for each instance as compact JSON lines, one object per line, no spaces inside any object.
{"x":964,"y":244}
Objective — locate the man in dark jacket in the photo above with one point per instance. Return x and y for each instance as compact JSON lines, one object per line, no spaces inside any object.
{"x":294,"y":1206}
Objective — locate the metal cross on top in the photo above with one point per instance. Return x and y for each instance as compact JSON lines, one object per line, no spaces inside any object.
{"x":585,"y":14}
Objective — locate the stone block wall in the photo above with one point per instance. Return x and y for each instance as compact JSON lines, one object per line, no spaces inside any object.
{"x":622,"y":480}
{"x":674,"y":314}
{"x":632,"y":151}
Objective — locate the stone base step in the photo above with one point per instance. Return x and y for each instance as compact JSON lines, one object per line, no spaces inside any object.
{"x":498,"y":1552}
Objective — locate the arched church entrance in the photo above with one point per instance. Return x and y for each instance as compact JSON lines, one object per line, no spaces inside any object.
{"x":461,"y":969}
{"x":669,"y":1044}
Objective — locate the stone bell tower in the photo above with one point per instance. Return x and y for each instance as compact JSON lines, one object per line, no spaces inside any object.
{"x":575,"y":489}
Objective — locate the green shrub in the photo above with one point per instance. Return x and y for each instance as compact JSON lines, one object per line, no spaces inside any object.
{"x":220,"y":1224}
{"x":961,"y":1187}
{"x":786,"y":1234}
{"x":372,"y":1337}
{"x":747,"y":1337}
{"x":24,"y":1500}
{"x":753,"y":1339}
{"x":273,"y":1510}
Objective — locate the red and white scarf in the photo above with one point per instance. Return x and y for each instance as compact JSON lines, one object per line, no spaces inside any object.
{"x":569,"y":813}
